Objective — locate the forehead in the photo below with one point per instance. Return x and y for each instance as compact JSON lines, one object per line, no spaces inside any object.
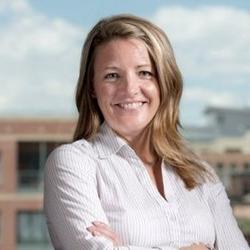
{"x":122,"y":50}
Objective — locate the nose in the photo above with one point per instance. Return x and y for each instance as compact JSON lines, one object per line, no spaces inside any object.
{"x":130,"y":84}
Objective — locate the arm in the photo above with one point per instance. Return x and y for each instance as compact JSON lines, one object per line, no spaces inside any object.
{"x":71,"y":202}
{"x":100,"y":228}
{"x":228,"y":234}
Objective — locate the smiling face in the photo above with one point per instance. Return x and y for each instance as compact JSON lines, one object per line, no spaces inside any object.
{"x":125,"y":86}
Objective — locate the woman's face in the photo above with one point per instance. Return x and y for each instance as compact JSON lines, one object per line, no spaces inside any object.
{"x":125,"y":86}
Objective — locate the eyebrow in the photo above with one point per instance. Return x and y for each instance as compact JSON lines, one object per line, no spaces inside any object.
{"x":144,"y":65}
{"x":111,"y":67}
{"x":139,"y":66}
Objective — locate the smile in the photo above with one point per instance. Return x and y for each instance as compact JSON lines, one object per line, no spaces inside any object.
{"x":131,"y":105}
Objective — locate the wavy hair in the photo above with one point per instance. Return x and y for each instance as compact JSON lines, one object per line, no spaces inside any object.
{"x":166,"y":138}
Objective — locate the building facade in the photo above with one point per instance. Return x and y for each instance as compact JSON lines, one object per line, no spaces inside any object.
{"x":229,"y":152}
{"x":228,"y":121}
{"x":224,"y":142}
{"x":24,"y":147}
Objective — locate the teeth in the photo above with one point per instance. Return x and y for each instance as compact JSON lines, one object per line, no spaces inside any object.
{"x":132,"y":105}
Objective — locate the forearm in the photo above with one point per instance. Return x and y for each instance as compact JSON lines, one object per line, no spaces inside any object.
{"x":145,"y":248}
{"x":71,"y":204}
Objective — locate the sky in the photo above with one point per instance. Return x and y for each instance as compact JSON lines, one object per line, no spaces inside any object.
{"x":41,"y":41}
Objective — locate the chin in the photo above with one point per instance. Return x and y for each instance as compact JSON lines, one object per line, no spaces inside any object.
{"x":129,"y":130}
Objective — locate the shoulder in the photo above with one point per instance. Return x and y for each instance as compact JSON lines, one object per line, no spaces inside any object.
{"x":71,"y":157}
{"x":212,"y":186}
{"x":81,"y":148}
{"x":212,"y":176}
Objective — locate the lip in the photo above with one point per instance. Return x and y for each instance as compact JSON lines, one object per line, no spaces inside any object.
{"x":129,"y":105}
{"x":129,"y":102}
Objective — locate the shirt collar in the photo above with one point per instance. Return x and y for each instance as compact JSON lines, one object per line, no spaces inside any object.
{"x":107,"y":142}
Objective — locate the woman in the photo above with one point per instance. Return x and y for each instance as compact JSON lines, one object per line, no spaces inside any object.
{"x":128,"y":181}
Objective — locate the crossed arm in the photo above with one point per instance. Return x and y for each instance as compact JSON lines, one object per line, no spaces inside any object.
{"x":71,"y":211}
{"x":101,"y":229}
{"x":71,"y":204}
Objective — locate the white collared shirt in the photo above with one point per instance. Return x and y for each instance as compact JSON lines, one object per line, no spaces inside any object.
{"x":104,"y":180}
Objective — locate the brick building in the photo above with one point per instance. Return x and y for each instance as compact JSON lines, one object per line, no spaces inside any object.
{"x":24,"y":147}
{"x":224,"y":142}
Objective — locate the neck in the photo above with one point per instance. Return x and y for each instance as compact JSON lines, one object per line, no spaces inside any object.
{"x":142,"y":145}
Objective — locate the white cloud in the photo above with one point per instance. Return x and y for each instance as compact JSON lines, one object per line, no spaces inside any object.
{"x":212,"y":48}
{"x":39,"y":61}
{"x":196,"y":99}
{"x":36,"y":34}
{"x":16,"y":6}
{"x":210,"y":42}
{"x":39,"y":57}
{"x":200,"y":95}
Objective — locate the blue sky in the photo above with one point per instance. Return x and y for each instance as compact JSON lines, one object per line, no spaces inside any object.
{"x":88,"y":12}
{"x":41,"y":42}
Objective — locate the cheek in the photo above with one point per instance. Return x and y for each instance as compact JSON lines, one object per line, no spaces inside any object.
{"x":104,"y":93}
{"x":153,"y":92}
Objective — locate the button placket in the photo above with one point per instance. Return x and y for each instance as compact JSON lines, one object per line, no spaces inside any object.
{"x":145,"y":180}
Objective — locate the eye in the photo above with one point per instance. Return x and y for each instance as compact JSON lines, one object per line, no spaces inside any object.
{"x":146,"y":74}
{"x":111,"y":76}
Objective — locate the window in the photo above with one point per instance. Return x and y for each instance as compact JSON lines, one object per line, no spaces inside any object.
{"x":245,"y":186}
{"x":233,"y":150}
{"x":31,"y":159}
{"x":220,"y":119}
{"x":31,"y":230}
{"x":233,"y":167}
{"x":219,"y":168}
{"x":246,"y":166}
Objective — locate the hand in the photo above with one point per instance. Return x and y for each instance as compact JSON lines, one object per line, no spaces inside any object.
{"x":101,"y":229}
{"x":195,"y":247}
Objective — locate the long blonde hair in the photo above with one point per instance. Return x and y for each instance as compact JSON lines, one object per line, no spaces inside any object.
{"x":166,"y":139}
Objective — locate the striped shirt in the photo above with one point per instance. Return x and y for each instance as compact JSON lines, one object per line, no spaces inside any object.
{"x":104,"y":180}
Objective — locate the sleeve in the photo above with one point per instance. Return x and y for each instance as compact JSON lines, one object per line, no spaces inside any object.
{"x":71,"y":202}
{"x":228,"y":234}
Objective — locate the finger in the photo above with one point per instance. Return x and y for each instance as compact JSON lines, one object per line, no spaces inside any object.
{"x":96,"y":224}
{"x":107,"y":234}
{"x":93,"y":231}
{"x":100,"y":224}
{"x":199,"y":246}
{"x":104,"y":230}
